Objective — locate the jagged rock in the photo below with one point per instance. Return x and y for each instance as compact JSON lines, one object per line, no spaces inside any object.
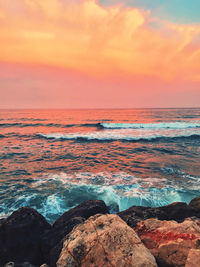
{"x":193,"y":259}
{"x":195,"y":205}
{"x":52,"y":240}
{"x":20,"y":236}
{"x":169,"y":241}
{"x":177,"y":211}
{"x":104,"y":240}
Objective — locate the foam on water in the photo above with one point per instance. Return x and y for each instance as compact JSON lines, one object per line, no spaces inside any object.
{"x":163,"y":125}
{"x":54,"y":194}
{"x":121,"y":134}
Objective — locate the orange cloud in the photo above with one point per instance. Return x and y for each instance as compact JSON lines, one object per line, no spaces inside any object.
{"x":84,"y":36}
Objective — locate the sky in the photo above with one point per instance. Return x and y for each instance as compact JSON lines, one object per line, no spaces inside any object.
{"x":99,"y":54}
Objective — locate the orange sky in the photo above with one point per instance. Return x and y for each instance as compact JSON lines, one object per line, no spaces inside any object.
{"x":117,"y":52}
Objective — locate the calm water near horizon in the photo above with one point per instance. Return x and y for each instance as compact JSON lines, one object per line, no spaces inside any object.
{"x":52,"y":160}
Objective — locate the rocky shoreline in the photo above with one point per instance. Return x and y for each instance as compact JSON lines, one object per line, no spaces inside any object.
{"x":88,"y":235}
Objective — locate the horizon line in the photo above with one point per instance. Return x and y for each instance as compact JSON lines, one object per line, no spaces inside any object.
{"x":93,"y":108}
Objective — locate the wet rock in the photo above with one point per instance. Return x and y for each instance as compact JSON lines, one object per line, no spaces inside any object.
{"x":52,"y":240}
{"x":20,"y":236}
{"x":195,"y":205}
{"x":169,"y":241}
{"x":177,"y":211}
{"x":193,"y":259}
{"x":85,"y":210}
{"x":104,"y":240}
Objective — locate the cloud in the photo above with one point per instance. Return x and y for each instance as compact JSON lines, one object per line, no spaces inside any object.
{"x":96,"y":40}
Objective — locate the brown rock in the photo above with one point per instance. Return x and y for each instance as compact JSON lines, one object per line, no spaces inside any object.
{"x":104,"y":240}
{"x":193,"y":259}
{"x":52,"y":240}
{"x":169,"y":241}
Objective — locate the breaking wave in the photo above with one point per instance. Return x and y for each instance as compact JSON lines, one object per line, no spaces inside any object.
{"x":54,"y":194}
{"x":163,"y":125}
{"x":120,"y":136}
{"x":102,"y":125}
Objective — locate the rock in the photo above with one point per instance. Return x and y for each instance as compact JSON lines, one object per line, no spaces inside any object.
{"x":177,"y":211}
{"x":52,"y":240}
{"x":24,"y":264}
{"x":1,"y":221}
{"x":104,"y":240}
{"x":44,"y":265}
{"x":85,"y":210}
{"x":9,"y":264}
{"x":169,"y":241}
{"x":193,"y":259}
{"x":195,"y":205}
{"x":20,"y":236}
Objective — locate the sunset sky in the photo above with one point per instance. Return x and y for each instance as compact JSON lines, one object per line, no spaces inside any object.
{"x":99,"y":54}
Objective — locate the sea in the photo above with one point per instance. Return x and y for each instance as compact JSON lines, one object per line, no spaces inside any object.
{"x":52,"y":160}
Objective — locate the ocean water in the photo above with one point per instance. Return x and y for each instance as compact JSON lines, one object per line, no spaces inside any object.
{"x":52,"y":160}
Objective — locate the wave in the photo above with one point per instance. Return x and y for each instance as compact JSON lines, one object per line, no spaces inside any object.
{"x":59,"y":125}
{"x":111,"y":126}
{"x":117,"y":136}
{"x":163,"y":125}
{"x":53,"y":194}
{"x":18,"y":124}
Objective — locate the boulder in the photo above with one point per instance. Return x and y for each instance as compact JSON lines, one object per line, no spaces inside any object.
{"x":169,"y":241}
{"x":52,"y":240}
{"x":193,"y":259}
{"x":104,"y":240}
{"x":85,"y":210}
{"x":195,"y":205}
{"x":177,"y":211}
{"x":20,"y":237}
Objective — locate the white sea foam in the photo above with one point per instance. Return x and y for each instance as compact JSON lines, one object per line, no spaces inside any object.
{"x":122,"y":134}
{"x":163,"y":125}
{"x":124,"y":189}
{"x":53,"y":194}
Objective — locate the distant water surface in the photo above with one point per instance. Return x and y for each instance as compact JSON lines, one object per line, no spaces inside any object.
{"x":52,"y":160}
